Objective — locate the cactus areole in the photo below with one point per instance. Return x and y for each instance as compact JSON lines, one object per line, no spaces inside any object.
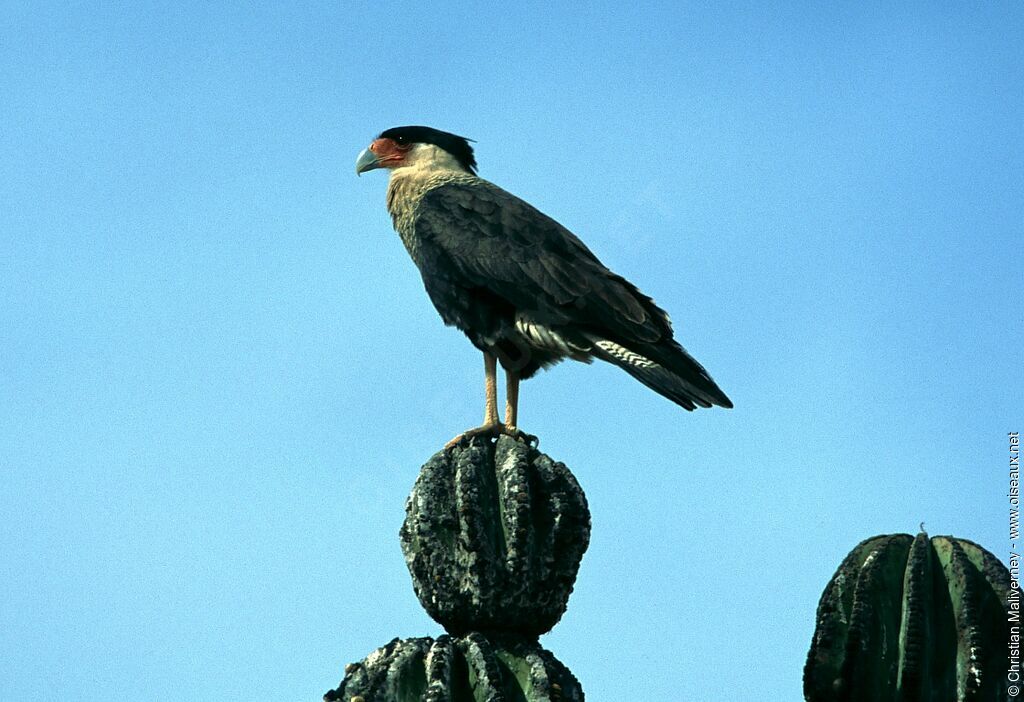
{"x":493,"y":537}
{"x":912,"y":619}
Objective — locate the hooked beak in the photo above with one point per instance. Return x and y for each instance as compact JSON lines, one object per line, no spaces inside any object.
{"x":367,"y":161}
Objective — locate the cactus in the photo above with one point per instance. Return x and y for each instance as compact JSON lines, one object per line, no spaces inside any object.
{"x":911,"y":618}
{"x":473,"y":668}
{"x":493,"y":537}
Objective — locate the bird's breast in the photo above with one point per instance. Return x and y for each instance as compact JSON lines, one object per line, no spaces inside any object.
{"x":405,"y":192}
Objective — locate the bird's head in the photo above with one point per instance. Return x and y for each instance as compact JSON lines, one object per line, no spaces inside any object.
{"x":421,"y":147}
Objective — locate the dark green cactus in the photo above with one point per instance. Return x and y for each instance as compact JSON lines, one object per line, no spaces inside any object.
{"x":912,"y":619}
{"x":468,"y":669}
{"x":493,"y":537}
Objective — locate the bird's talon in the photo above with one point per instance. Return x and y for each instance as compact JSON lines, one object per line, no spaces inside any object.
{"x":519,"y":435}
{"x":489,"y":430}
{"x":493,"y":431}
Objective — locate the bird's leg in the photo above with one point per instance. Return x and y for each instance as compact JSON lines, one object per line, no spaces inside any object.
{"x":491,"y":425}
{"x":490,"y":389}
{"x":511,"y":426}
{"x":511,"y":399}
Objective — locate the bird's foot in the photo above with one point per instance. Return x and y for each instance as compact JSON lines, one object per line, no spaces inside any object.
{"x":493,"y":430}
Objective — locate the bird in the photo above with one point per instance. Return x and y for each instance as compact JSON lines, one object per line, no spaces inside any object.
{"x":523,"y":288}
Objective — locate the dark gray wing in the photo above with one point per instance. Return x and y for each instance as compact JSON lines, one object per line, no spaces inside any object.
{"x":496,"y":241}
{"x":492,"y":240}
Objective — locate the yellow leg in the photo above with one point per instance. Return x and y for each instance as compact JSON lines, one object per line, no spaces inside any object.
{"x":490,"y":389}
{"x":491,"y":426}
{"x":511,"y":400}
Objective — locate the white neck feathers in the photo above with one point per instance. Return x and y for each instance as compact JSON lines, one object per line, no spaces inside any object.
{"x":427,"y":159}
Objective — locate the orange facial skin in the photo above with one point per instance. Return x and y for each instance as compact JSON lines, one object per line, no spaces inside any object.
{"x":389,"y":153}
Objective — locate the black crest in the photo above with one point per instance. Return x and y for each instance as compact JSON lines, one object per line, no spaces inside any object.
{"x":452,"y":143}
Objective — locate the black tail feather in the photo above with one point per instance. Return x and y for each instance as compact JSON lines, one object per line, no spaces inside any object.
{"x":668,"y":370}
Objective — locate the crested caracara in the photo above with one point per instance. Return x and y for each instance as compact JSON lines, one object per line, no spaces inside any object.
{"x":521,"y":286}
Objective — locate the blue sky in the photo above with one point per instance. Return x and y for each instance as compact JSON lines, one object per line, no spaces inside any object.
{"x":220,"y":374}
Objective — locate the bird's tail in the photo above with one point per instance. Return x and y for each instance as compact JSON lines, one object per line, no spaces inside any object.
{"x":665,"y":368}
